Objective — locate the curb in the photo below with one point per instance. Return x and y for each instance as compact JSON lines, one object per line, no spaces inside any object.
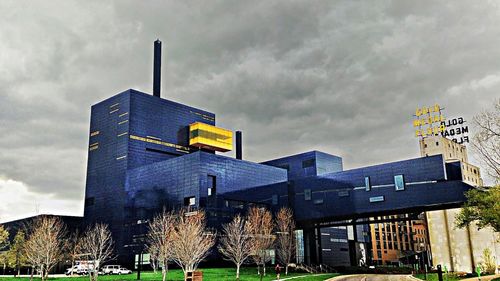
{"x":302,"y":276}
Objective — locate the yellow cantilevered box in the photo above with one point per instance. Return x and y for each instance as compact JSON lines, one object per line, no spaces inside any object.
{"x":206,"y":136}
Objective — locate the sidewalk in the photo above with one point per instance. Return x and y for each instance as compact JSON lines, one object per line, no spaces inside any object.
{"x":483,"y":278}
{"x":38,"y":276}
{"x":301,"y":276}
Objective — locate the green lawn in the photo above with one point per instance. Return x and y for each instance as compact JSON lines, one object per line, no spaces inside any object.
{"x":209,"y":274}
{"x":434,"y":277}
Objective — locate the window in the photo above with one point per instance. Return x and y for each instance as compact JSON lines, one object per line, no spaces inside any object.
{"x":368,"y":186}
{"x":338,"y":240}
{"x":308,"y":163}
{"x":307,"y":194}
{"x":211,"y":185}
{"x":285,"y":166}
{"x":275,"y":199}
{"x":399,"y":182}
{"x":190,"y":201}
{"x":318,"y":201}
{"x":425,"y":145}
{"x":437,"y":143}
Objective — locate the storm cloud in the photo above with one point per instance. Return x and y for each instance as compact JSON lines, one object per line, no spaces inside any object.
{"x":342,"y":77}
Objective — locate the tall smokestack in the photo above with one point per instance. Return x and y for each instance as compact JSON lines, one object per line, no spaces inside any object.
{"x":239,"y":153}
{"x":157,"y":68}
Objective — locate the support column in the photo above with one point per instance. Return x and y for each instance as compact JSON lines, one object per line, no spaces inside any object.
{"x":312,"y":245}
{"x":319,"y":251}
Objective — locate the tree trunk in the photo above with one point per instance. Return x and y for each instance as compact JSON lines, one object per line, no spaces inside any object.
{"x":264,"y":268}
{"x":46,"y":274}
{"x":31,"y":275}
{"x":164,"y":270}
{"x":286,"y":269}
{"x":42,"y":273}
{"x":237,"y":272}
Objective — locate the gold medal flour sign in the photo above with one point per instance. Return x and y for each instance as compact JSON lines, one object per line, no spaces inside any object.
{"x":456,"y":130}
{"x":428,"y":121}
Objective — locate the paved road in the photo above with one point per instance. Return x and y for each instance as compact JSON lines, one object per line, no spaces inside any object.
{"x":483,"y":278}
{"x":372,"y":277}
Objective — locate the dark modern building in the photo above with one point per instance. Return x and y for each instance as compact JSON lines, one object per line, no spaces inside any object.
{"x":147,"y":153}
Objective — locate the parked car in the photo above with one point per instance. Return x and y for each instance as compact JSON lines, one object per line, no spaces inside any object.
{"x":80,"y":268}
{"x":123,"y":270}
{"x":111,"y":269}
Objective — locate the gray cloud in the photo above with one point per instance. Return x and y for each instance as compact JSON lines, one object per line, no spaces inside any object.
{"x":339,"y":76}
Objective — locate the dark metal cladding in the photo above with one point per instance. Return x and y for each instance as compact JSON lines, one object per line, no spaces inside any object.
{"x":157,"y":68}
{"x":239,"y":153}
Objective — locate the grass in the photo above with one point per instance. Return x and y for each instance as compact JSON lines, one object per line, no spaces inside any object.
{"x":434,"y":277}
{"x":209,"y":274}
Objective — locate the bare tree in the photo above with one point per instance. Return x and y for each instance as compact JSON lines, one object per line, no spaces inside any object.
{"x":45,"y":244}
{"x":285,"y":236}
{"x":261,"y":222}
{"x":486,"y":141}
{"x":159,"y":239}
{"x":154,"y":257}
{"x":98,"y":245}
{"x":190,"y":240}
{"x":236,"y":242}
{"x":74,"y":248}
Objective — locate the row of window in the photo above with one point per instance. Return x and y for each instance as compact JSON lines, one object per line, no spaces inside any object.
{"x":305,"y":164}
{"x":399,"y":183}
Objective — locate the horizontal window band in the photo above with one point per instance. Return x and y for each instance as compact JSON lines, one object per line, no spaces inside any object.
{"x":155,"y":138}
{"x":121,"y":157}
{"x":419,"y":182}
{"x":363,"y":187}
{"x":149,"y":140}
{"x":123,"y":114}
{"x":116,"y":104}
{"x":122,"y":134}
{"x":113,"y":111}
{"x":122,"y":122}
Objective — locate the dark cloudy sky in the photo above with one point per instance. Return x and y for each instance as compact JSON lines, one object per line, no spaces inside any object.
{"x":343,"y":77}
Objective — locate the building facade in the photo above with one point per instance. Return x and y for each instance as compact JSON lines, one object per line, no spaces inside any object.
{"x":147,"y":153}
{"x":457,"y":249}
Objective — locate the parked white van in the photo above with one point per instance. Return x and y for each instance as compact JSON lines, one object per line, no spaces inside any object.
{"x":80,"y":268}
{"x":111,"y":269}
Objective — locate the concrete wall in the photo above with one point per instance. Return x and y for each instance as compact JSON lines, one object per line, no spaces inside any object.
{"x":458,"y":249}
